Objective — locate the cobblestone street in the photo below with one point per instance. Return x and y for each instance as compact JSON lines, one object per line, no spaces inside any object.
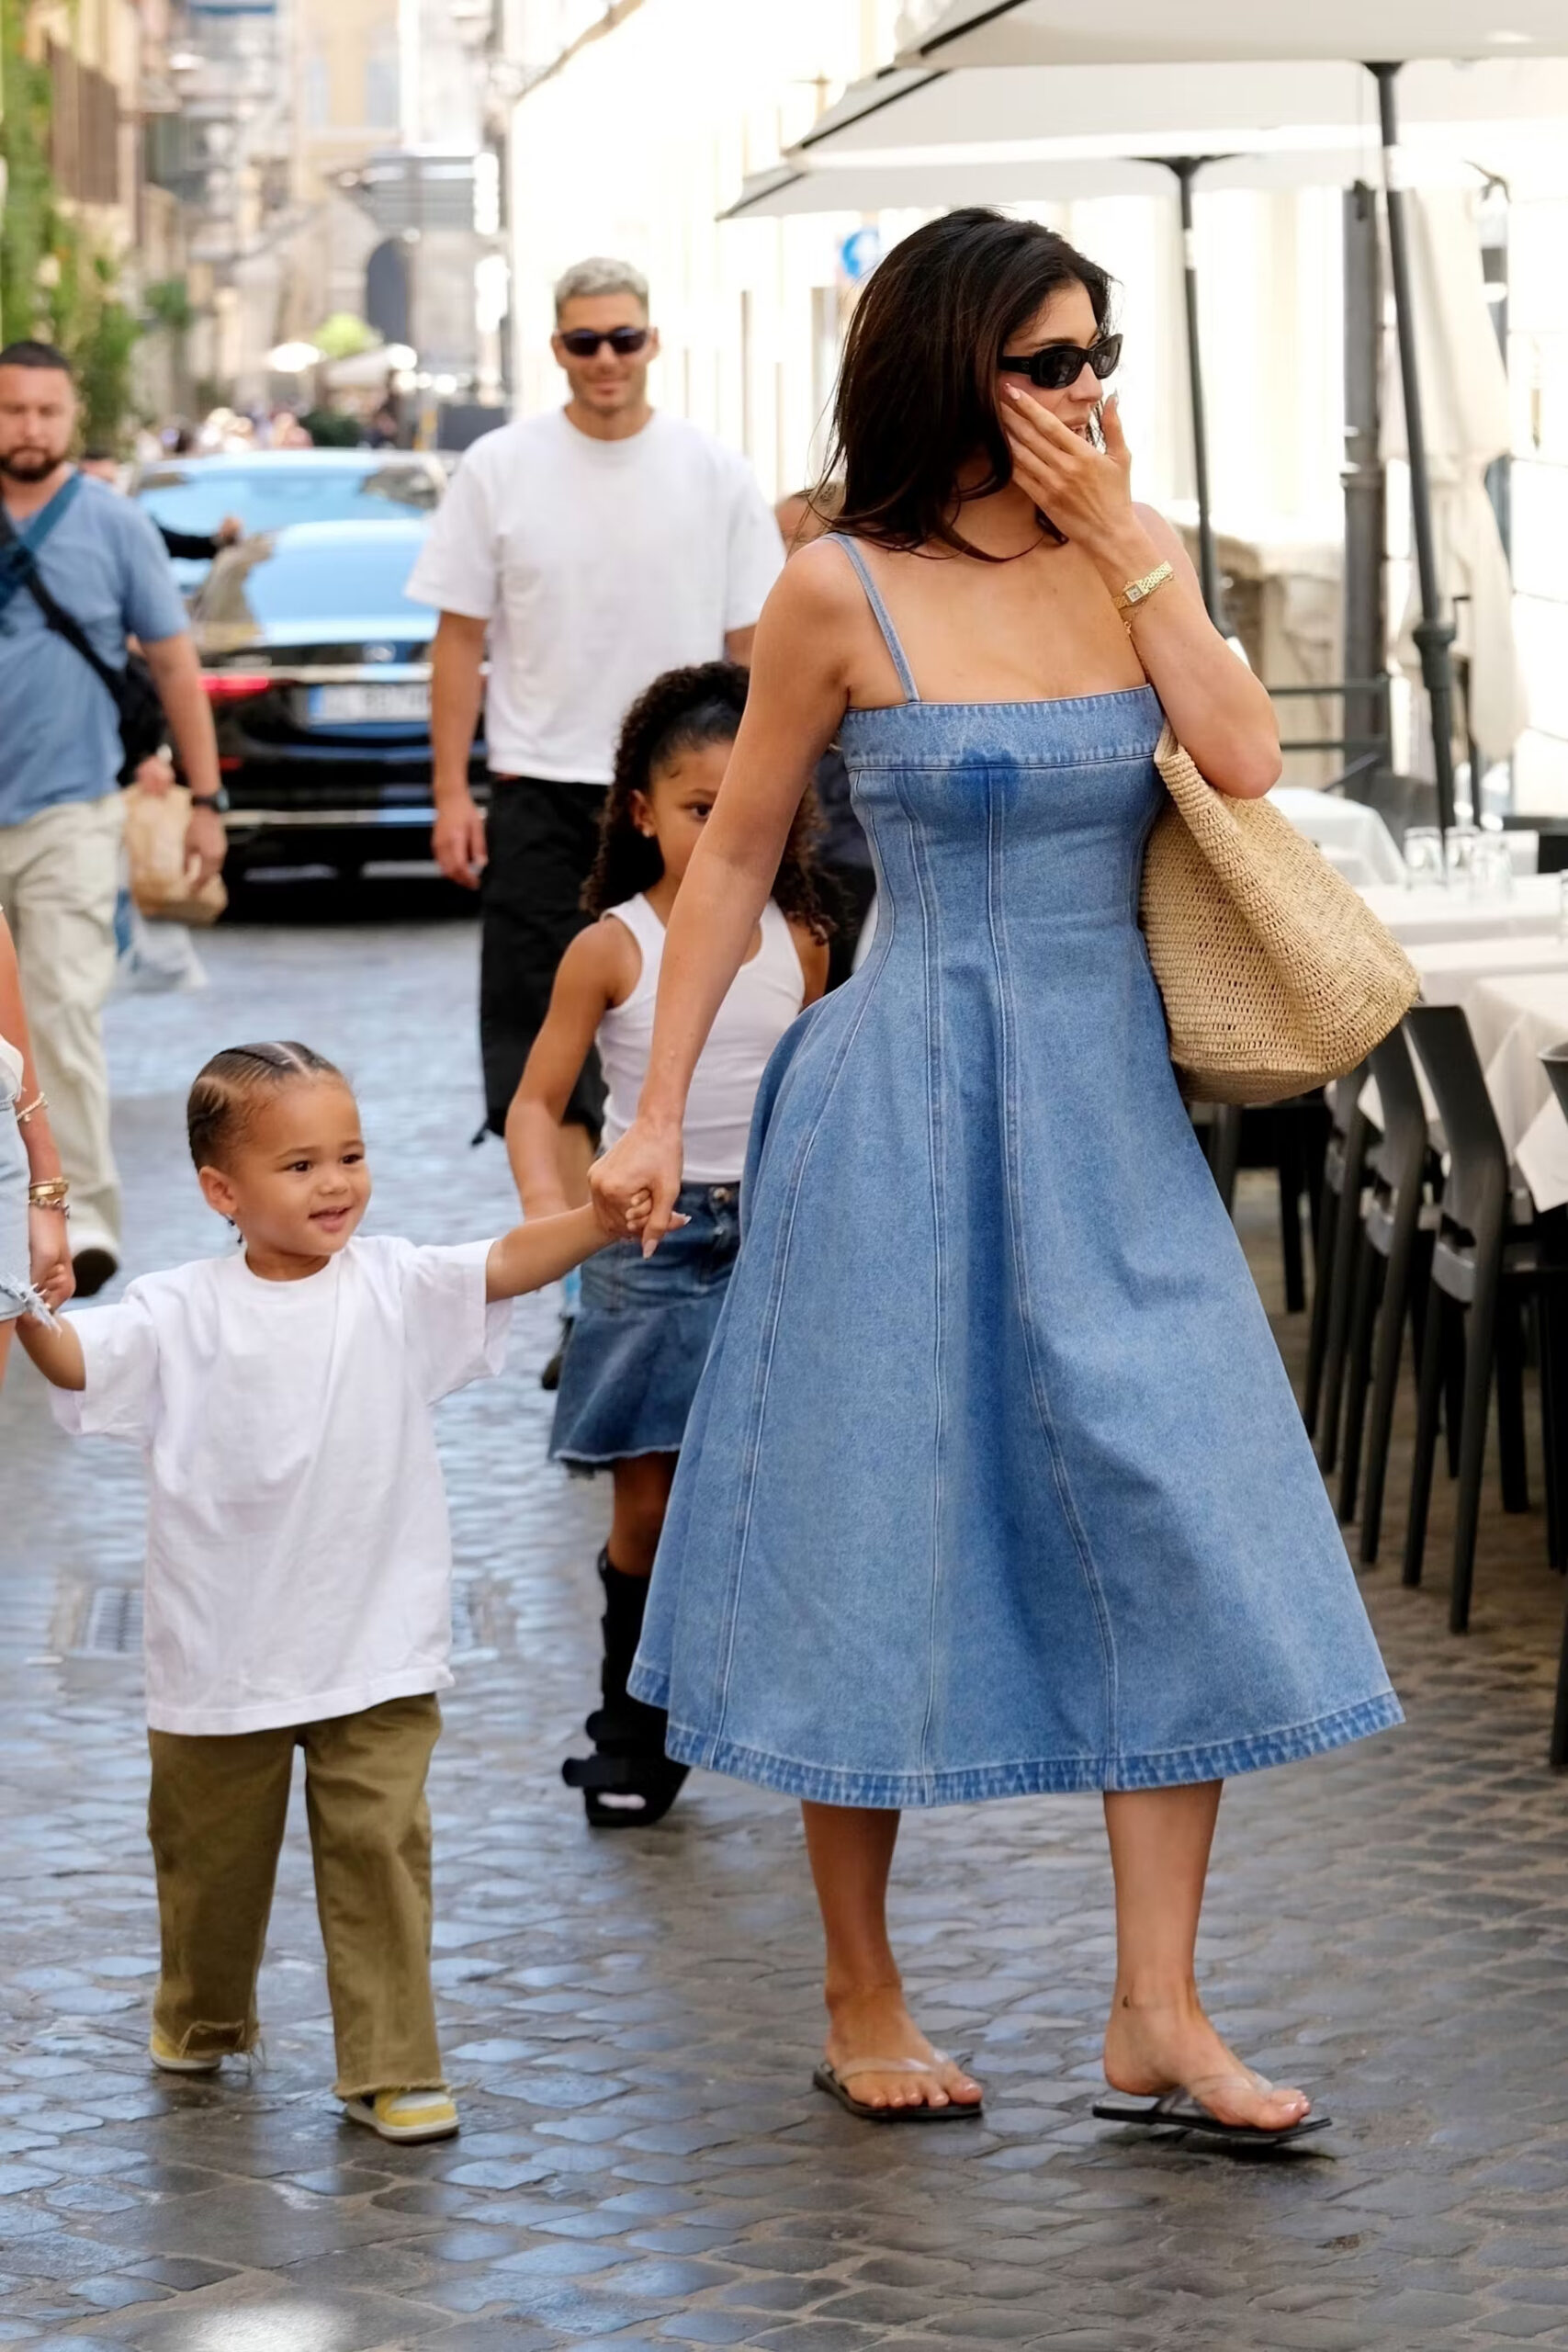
{"x":630,"y":2022}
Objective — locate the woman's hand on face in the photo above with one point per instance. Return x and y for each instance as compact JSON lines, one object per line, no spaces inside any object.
{"x":637,"y":1183}
{"x":49,"y":1256}
{"x":1086,"y":492}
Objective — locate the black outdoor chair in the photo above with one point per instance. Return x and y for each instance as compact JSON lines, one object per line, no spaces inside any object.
{"x":1291,"y":1137}
{"x":1394,"y":1273}
{"x":1338,"y":1220}
{"x":1486,"y":1265}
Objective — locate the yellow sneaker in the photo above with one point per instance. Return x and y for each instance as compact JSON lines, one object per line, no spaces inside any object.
{"x":165,"y":2055}
{"x":405,"y":2115}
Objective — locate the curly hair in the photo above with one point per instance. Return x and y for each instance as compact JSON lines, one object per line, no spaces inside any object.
{"x":225,"y":1089}
{"x":682,"y":711}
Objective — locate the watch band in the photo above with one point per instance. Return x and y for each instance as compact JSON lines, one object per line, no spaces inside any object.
{"x":1137,"y":592}
{"x":217,"y":801}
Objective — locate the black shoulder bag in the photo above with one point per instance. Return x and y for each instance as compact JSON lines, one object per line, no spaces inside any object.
{"x":143,"y":728}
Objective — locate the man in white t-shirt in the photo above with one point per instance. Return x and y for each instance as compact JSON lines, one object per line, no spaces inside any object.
{"x":598,"y":546}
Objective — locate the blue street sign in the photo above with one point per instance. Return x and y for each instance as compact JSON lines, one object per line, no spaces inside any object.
{"x":859,"y":253}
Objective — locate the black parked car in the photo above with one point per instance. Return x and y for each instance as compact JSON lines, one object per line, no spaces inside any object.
{"x":318,"y":670}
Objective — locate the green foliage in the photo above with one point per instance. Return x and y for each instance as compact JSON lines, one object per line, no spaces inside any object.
{"x":51,"y":281}
{"x":342,"y":336}
{"x":167,"y":302}
{"x":27,"y":224}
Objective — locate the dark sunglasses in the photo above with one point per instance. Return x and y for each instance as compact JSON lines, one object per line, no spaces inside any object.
{"x":583,"y":342}
{"x":1061,"y":364}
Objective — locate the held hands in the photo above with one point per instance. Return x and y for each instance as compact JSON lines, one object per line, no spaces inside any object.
{"x":49,"y":1257}
{"x":636,"y":1184}
{"x":1086,"y":492}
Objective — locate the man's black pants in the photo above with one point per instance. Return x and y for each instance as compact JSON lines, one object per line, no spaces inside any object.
{"x":542,"y":838}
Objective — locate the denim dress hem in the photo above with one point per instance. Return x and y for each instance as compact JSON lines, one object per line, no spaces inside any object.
{"x":1041,"y":1776}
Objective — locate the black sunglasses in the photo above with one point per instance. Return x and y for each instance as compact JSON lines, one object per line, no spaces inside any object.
{"x":1058,"y":365}
{"x":583,"y":342}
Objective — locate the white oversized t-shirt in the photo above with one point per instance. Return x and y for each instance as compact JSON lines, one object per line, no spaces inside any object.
{"x":299,"y":1554}
{"x":598,"y":564}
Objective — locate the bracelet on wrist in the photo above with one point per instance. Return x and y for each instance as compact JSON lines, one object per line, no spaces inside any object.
{"x":54,"y":1193}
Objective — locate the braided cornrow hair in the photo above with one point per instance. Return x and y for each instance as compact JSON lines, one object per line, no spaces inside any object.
{"x":225,"y":1089}
{"x":682,"y":711}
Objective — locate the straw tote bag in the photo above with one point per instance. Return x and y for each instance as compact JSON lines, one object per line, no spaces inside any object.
{"x":1276,"y":974}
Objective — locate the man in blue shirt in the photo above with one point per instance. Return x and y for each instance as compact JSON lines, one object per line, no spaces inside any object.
{"x":101,"y":560}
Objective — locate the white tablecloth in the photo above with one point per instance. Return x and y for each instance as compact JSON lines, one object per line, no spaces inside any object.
{"x":1352,"y":837}
{"x":1476,"y":974}
{"x":1531,"y":909}
{"x":1512,"y":1021}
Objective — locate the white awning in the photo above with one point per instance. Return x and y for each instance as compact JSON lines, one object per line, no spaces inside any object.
{"x":1166,"y":109}
{"x":1130,"y":32}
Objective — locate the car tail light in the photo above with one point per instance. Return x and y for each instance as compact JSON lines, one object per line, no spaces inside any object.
{"x":233,"y":685}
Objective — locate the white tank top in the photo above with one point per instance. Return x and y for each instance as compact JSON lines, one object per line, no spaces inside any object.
{"x":765,"y":998}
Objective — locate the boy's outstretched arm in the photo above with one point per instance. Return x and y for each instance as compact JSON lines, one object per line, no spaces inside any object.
{"x":57,"y":1354}
{"x":542,"y":1251}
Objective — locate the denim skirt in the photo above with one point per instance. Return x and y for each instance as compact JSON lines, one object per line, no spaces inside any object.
{"x":642,"y":1336}
{"x":16,"y":1291}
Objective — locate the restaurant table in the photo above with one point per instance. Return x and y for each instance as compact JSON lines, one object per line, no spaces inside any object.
{"x":1459,"y":971}
{"x":1354,"y":838}
{"x":1513,"y":1021}
{"x":1531,"y":909}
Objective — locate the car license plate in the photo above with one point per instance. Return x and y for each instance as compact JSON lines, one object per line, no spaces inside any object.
{"x":344,"y":705}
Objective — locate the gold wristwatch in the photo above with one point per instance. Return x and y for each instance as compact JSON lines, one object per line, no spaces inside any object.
{"x":1138,"y":592}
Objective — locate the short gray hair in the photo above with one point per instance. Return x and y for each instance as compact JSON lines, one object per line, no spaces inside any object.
{"x":600,"y":274}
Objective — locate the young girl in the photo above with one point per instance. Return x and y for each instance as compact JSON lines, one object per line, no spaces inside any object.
{"x":298,"y":1561}
{"x":638,"y":1344}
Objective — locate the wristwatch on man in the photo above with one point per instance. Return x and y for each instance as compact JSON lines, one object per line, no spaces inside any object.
{"x":217,"y":801}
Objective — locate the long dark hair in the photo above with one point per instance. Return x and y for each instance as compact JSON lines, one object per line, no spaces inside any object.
{"x":682,"y":711}
{"x":917,"y":397}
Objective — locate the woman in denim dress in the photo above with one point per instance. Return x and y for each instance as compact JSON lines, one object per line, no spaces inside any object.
{"x":35,"y":1257}
{"x":995,"y":1482}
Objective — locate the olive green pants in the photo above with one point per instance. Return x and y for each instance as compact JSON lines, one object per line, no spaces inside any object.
{"x":216,"y":1818}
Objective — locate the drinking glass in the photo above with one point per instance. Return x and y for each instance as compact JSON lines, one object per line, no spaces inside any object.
{"x":1459,"y":848}
{"x":1490,"y":868}
{"x":1424,"y":867}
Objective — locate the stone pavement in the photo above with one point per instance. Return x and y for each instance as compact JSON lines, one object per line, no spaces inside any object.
{"x":631,"y":2021}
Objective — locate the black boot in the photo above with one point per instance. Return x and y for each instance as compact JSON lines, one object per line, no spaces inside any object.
{"x":629,"y":1781}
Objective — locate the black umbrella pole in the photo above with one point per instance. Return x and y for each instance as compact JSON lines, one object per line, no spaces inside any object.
{"x":1434,"y":636}
{"x":1186,"y":169}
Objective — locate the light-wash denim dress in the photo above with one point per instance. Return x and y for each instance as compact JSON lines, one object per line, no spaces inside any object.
{"x":16,"y":1293}
{"x":995,"y":1482}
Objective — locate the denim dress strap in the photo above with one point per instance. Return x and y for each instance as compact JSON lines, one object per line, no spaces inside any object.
{"x":879,"y":613}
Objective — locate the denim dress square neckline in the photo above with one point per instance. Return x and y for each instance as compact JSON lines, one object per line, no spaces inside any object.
{"x":995,"y":1482}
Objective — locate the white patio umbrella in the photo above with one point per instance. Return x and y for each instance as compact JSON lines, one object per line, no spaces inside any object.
{"x":1386,"y":35}
{"x":1466,"y":387}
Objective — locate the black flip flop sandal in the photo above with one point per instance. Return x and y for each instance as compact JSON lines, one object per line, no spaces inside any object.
{"x":1182,"y":2111}
{"x":826,"y":2079}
